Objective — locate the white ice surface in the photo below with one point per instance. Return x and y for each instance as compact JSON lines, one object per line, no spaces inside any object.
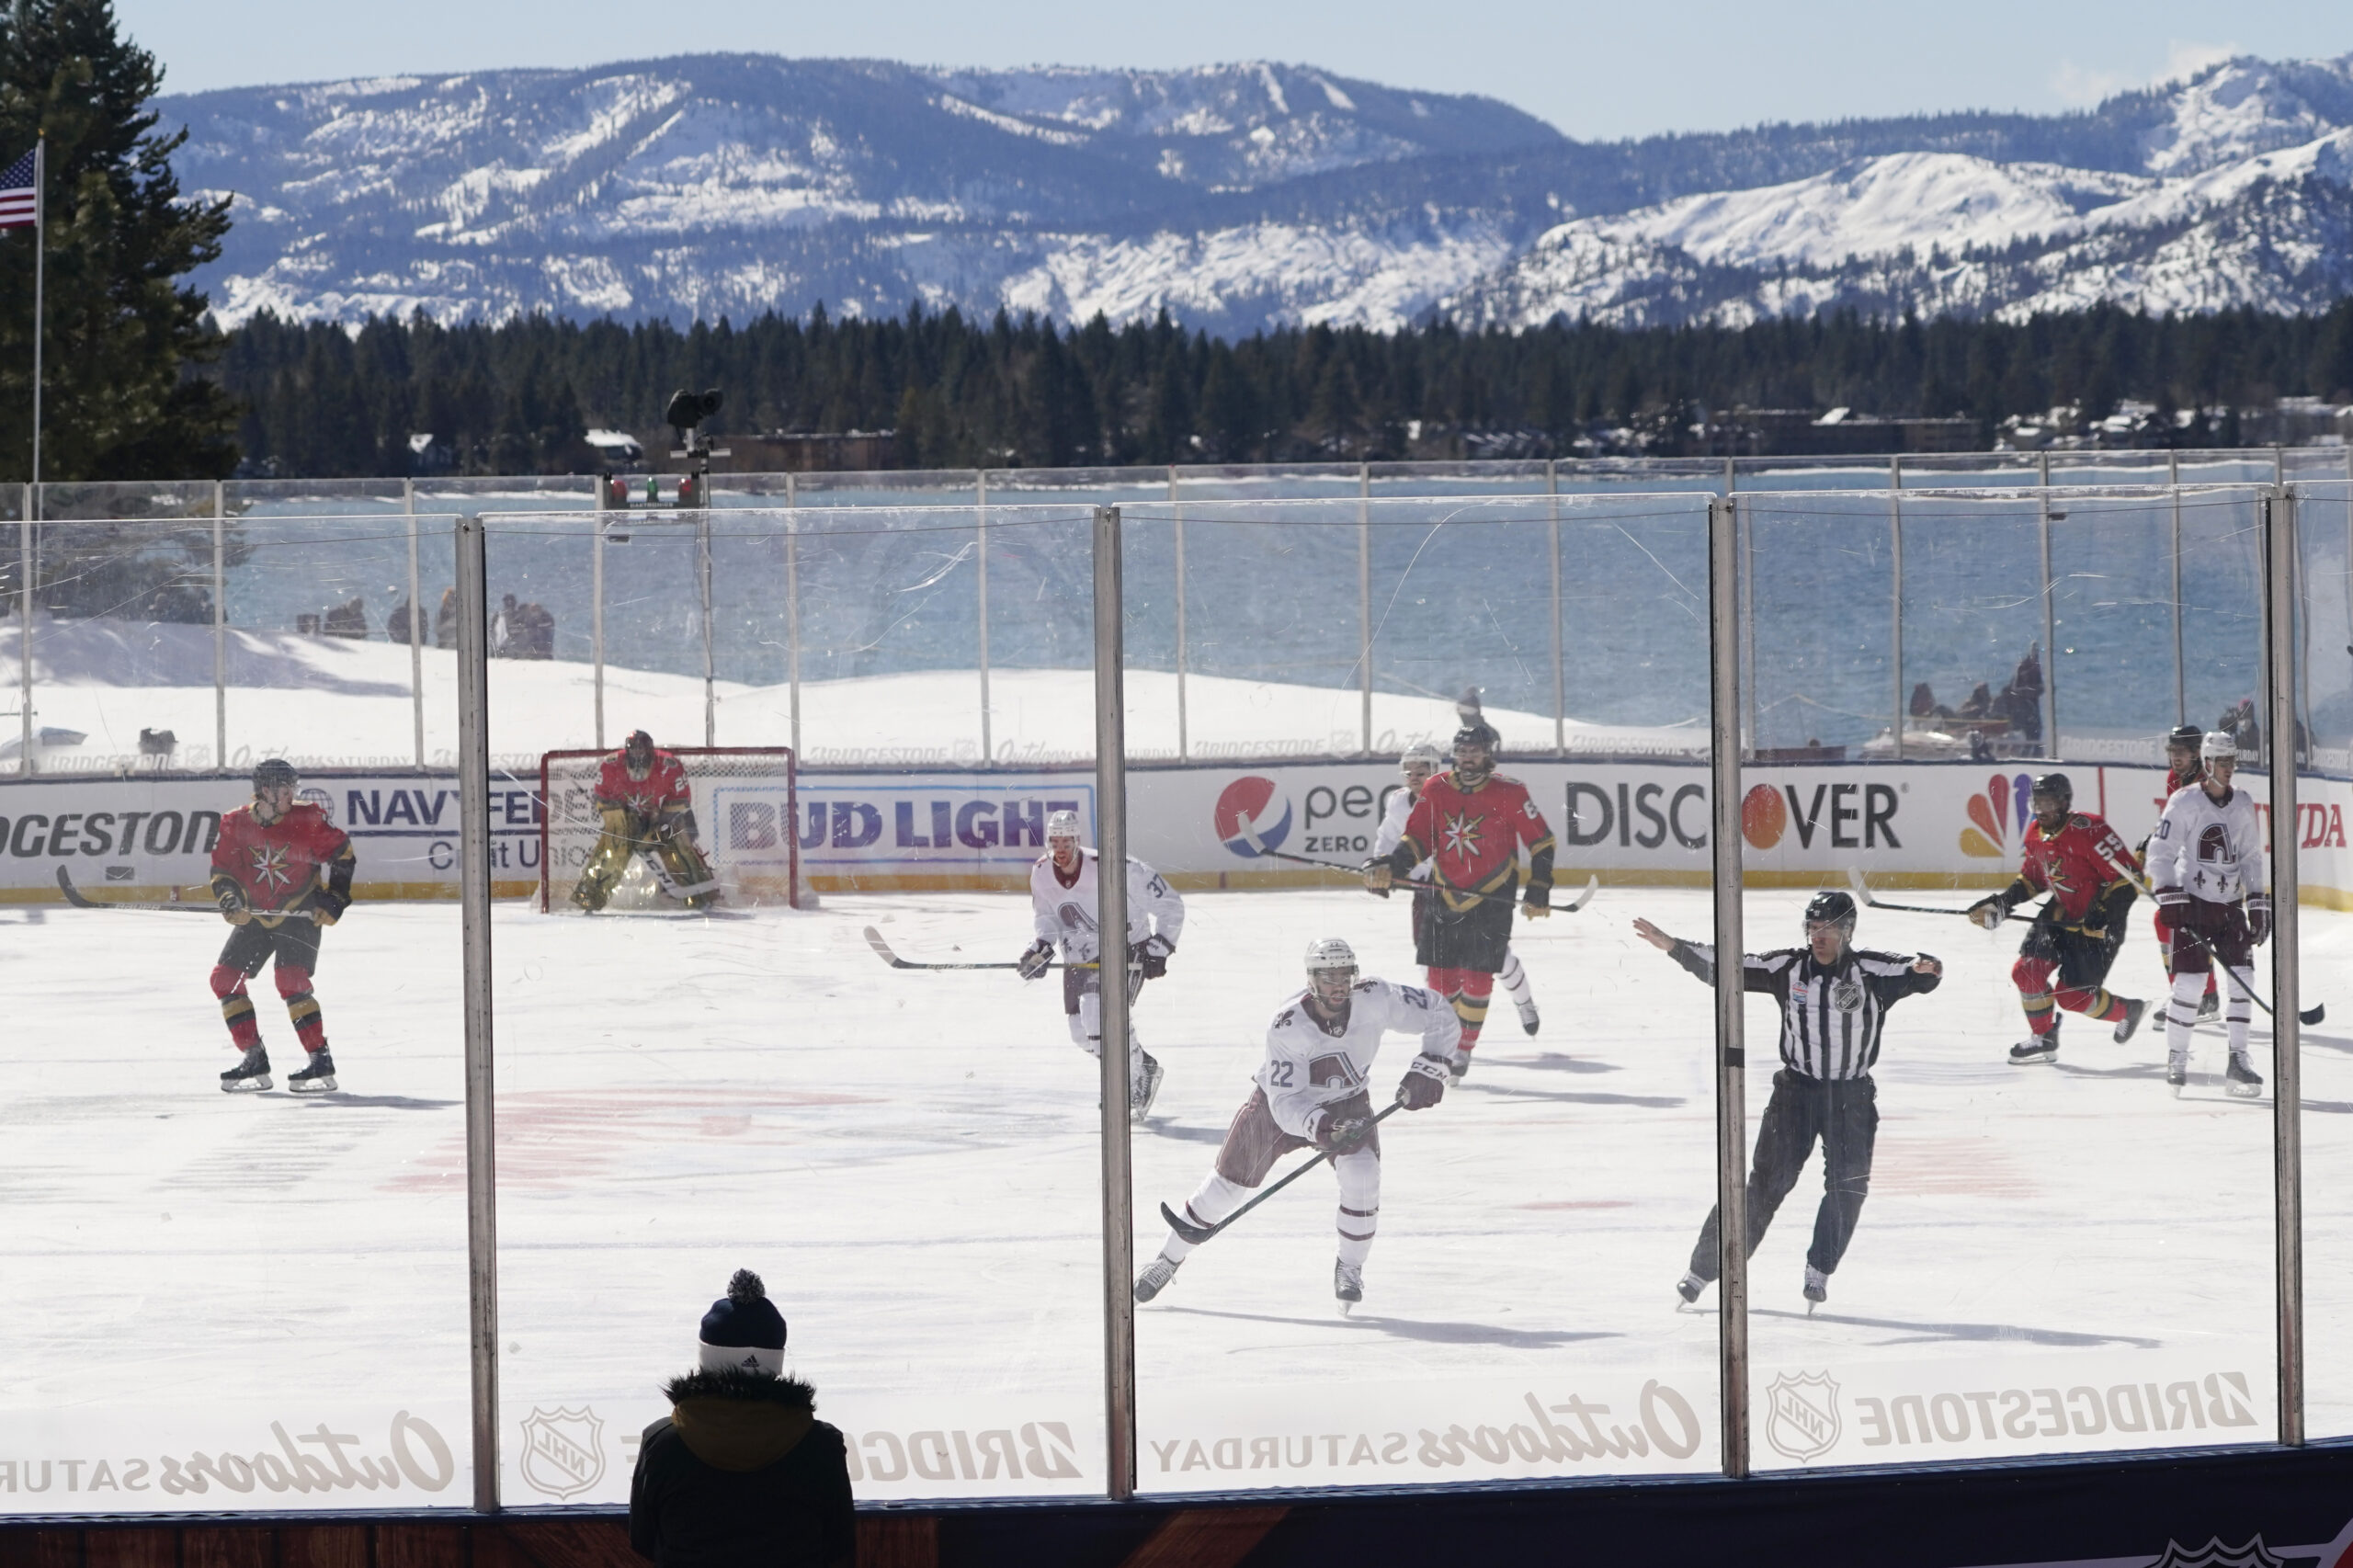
{"x":909,"y":1158}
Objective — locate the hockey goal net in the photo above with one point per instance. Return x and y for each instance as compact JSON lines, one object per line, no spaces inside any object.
{"x":746,"y":816}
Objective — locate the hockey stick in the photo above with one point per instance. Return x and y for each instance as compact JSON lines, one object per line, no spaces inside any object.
{"x":1187,"y":1230}
{"x":80,"y":899}
{"x":1863,"y":891}
{"x":1592,"y":884}
{"x":882,"y":951}
{"x":2310,"y":1015}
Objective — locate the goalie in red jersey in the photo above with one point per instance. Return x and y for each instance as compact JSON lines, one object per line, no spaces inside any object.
{"x":281,"y":873}
{"x":2089,"y":871}
{"x":1471,"y":823}
{"x":648,"y":809}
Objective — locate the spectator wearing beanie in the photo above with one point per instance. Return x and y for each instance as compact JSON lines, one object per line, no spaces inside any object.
{"x":742,"y":1472}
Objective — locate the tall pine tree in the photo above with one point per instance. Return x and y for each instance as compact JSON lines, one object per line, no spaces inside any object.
{"x":124,"y":334}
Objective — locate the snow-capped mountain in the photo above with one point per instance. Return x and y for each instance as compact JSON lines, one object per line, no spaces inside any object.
{"x":1243,"y":195}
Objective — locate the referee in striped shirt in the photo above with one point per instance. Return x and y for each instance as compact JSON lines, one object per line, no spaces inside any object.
{"x":1833,"y":1000}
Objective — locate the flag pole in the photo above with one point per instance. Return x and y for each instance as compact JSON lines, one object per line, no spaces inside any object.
{"x":40,"y":254}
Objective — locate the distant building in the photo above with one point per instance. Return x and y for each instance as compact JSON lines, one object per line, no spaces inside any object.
{"x":615,"y":449}
{"x":1840,"y":432}
{"x":780,"y":451}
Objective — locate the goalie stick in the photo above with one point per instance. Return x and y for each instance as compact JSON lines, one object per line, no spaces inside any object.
{"x":1187,"y":1230}
{"x":882,"y":951}
{"x":1863,"y":891}
{"x":1592,"y":884}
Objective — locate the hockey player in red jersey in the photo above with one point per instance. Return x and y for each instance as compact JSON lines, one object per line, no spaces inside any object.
{"x":648,"y":808}
{"x":2183,"y":768}
{"x":1471,"y":823}
{"x":2089,"y":874}
{"x":281,"y":871}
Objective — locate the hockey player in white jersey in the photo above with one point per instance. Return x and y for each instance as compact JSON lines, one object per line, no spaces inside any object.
{"x":2206,"y":865}
{"x":1418,"y":765}
{"x":1062,"y":895}
{"x":1313,"y":1088}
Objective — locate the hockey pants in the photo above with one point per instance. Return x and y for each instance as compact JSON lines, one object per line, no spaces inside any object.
{"x":2059,"y":967}
{"x":2223,"y":928}
{"x":2164,"y":946}
{"x":1843,"y":1114}
{"x":1083,"y":1007}
{"x":295,"y":948}
{"x":1253,"y":1143}
{"x":1468,"y":990}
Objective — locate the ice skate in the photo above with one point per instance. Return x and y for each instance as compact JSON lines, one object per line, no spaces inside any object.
{"x":1527,"y":1019}
{"x":250,"y":1075}
{"x":2177,"y":1072}
{"x":1817,"y":1288}
{"x":318,"y":1078}
{"x":1156,"y":1276}
{"x":1140,"y":1097}
{"x":1688,"y":1287}
{"x":1347,"y":1284}
{"x":2035,"y":1047}
{"x":2134,"y":1011}
{"x":2242,"y":1080}
{"x":1458,"y":1066}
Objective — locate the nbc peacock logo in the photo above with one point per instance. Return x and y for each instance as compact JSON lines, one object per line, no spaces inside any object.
{"x":1994,"y":813}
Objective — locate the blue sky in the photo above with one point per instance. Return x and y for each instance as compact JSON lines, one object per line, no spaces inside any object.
{"x":1596,"y":71}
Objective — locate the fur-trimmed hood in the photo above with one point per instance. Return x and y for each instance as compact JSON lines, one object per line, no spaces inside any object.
{"x":740,"y":1421}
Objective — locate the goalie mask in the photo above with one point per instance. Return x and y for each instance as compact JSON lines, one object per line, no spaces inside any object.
{"x":637,"y":753}
{"x":1331,"y":971}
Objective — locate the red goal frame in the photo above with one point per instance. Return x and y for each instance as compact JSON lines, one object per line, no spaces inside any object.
{"x":795,"y":894}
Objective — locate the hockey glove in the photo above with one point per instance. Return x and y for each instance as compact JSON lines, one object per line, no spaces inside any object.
{"x":1423,"y":1083}
{"x":1338,"y":1135}
{"x":1151,"y":955}
{"x":1378,"y":876}
{"x":2258,"y":917}
{"x":1538,"y":906}
{"x":1035,"y":959}
{"x":1990,"y":910}
{"x":327,"y":909}
{"x":233,"y":908}
{"x":2173,"y":903}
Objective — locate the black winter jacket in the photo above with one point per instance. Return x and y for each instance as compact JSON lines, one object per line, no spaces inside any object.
{"x":743,"y":1474}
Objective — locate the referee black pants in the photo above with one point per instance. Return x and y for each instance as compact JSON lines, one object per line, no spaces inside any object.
{"x":1843,"y":1114}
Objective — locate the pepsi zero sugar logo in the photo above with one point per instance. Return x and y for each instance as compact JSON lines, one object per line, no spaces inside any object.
{"x":1246,"y":820}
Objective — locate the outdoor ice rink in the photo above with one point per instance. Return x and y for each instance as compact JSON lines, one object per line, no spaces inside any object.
{"x":910,"y":1160}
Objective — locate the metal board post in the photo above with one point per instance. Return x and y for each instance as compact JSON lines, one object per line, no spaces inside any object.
{"x":2180,"y":669}
{"x":1731,"y":1105}
{"x":2050,"y":643}
{"x":981,"y":591}
{"x":1364,"y":598}
{"x":416,"y":620}
{"x":792,"y":607}
{"x":596,"y":620}
{"x":2281,"y":582}
{"x":25,"y":625}
{"x":1177,"y":517}
{"x":702,"y":572}
{"x":473,"y":892}
{"x":1895,"y":627}
{"x":1112,"y":925}
{"x":1559,"y":668}
{"x":220,"y":629}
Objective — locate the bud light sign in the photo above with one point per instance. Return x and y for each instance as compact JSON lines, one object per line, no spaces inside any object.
{"x":914,"y":823}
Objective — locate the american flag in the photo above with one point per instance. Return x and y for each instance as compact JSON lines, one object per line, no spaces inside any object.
{"x":20,"y":193}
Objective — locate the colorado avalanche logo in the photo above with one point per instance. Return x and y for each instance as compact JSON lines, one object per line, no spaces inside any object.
{"x":269,"y":867}
{"x":1242,"y":813}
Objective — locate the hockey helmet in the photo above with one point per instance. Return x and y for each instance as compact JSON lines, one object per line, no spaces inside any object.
{"x":1831,"y":908}
{"x":1327,"y":958}
{"x":1423,"y":757}
{"x":2185,"y":737}
{"x":2219,"y":746}
{"x":1062,"y":824}
{"x":274,"y":773}
{"x":2052,"y":787}
{"x":1476,"y":736}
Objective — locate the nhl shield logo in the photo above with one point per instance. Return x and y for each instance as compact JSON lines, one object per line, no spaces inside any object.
{"x":563,"y":1451}
{"x":1846,"y":995}
{"x":1802,"y":1419}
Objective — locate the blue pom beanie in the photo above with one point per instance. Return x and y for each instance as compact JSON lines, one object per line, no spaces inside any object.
{"x":744,"y":1330}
